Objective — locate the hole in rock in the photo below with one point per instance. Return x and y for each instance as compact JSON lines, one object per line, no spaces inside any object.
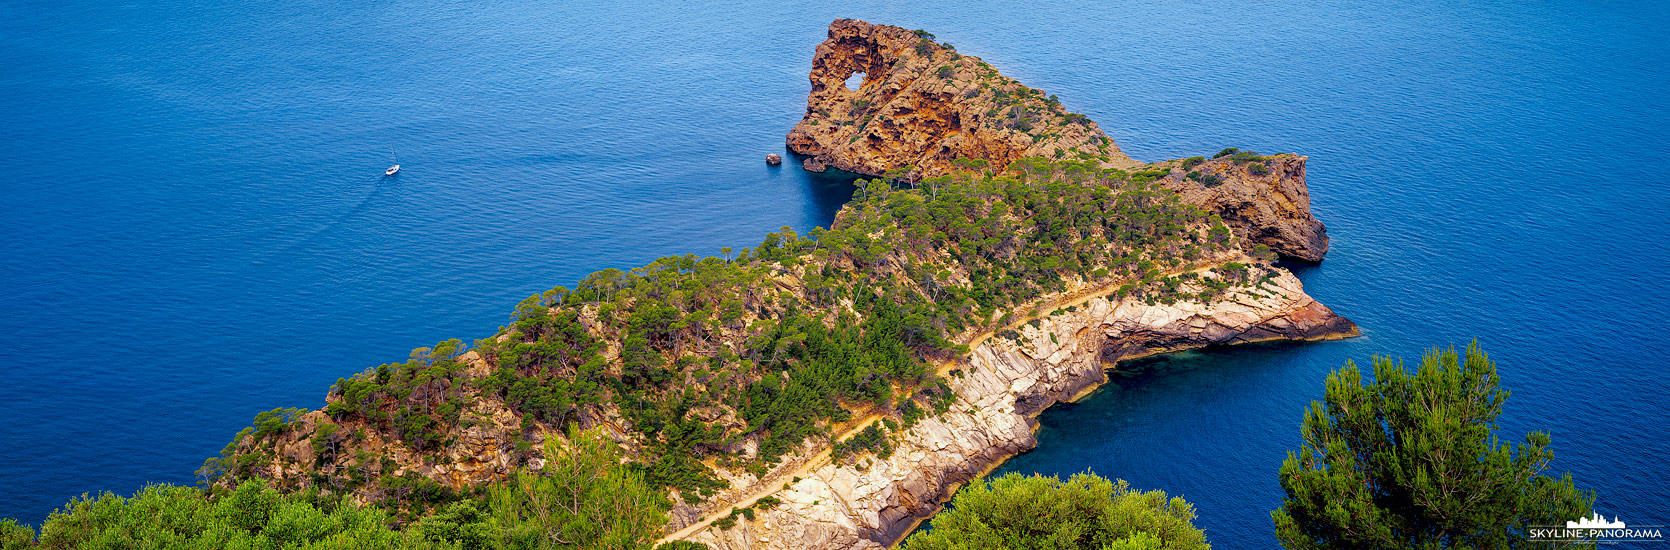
{"x":854,"y":81}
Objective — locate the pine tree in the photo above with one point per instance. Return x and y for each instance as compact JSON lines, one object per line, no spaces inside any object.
{"x":1412,"y":461}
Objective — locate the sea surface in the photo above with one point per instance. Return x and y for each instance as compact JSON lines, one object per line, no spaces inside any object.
{"x":196,"y":229}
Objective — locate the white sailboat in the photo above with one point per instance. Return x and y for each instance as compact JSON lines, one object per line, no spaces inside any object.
{"x":392,"y":170}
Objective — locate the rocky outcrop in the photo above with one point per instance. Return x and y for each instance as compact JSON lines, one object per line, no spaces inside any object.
{"x":923,"y":105}
{"x":1271,"y":208}
{"x":484,"y":452}
{"x":872,"y":502}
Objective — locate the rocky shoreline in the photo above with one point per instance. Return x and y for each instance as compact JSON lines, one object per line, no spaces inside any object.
{"x":1000,"y":390}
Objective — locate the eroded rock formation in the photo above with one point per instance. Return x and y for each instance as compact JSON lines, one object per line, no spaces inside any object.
{"x":873,"y":502}
{"x":923,"y":105}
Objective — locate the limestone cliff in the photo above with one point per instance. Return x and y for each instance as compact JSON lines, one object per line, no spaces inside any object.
{"x":923,"y":105}
{"x":873,"y":502}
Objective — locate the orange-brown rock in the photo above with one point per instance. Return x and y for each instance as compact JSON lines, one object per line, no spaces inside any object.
{"x":1265,"y":201}
{"x":922,"y":105}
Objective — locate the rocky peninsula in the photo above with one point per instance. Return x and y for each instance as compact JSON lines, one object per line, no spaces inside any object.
{"x":830,"y":390}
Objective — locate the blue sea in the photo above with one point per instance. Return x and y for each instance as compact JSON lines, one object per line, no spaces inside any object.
{"x":196,"y":228}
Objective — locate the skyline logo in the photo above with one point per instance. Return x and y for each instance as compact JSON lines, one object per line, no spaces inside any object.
{"x":1596,"y":529}
{"x":1596,"y":522}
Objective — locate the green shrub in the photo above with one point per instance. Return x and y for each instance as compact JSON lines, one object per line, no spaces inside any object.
{"x":1206,"y":180}
{"x":681,"y":545}
{"x":616,"y":507}
{"x":463,"y":524}
{"x":252,"y":516}
{"x":1084,"y":512}
{"x":1226,"y":152}
{"x":871,"y":439}
{"x":14,"y":536}
{"x":1258,"y":169}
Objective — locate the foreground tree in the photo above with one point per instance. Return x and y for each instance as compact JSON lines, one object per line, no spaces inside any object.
{"x":582,"y":498}
{"x":1412,"y":461}
{"x":1085,"y":512}
{"x":252,"y":516}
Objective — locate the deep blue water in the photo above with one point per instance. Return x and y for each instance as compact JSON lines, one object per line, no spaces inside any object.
{"x":194,"y":230}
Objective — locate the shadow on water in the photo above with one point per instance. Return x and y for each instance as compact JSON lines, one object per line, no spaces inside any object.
{"x":1300,"y":268}
{"x":1179,"y":363}
{"x":827,"y":192}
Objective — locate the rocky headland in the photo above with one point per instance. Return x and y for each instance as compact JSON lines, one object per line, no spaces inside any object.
{"x":1013,"y":256}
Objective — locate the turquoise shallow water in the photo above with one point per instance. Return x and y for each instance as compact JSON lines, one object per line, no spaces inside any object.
{"x":194,"y":230}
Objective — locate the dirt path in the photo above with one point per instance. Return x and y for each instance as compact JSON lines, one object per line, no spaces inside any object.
{"x":805,"y":470}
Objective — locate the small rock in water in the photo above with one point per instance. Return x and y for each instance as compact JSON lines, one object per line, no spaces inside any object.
{"x":773,"y":159}
{"x":812,"y":165}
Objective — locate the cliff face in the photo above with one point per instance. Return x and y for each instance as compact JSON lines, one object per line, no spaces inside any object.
{"x":1272,"y":209}
{"x":922,"y":104}
{"x":872,"y":502}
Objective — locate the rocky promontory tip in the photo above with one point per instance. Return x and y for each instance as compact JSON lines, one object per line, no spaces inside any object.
{"x":923,"y":105}
{"x":923,"y":110}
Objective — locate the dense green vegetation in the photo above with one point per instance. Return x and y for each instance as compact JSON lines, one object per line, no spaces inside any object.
{"x":1046,"y":513}
{"x":1411,"y":460}
{"x":252,"y":516}
{"x":582,"y":498}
